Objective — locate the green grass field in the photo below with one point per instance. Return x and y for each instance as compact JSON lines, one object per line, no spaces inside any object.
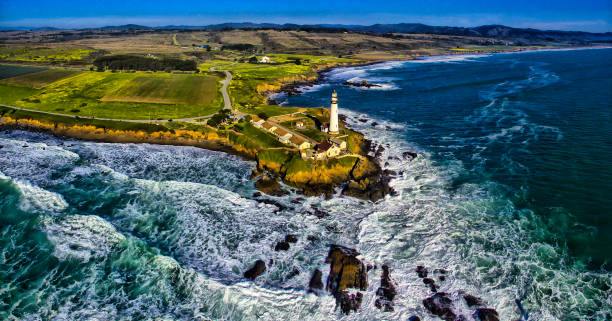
{"x":8,"y":71}
{"x":44,"y":54}
{"x":40,"y":78}
{"x":84,"y":93}
{"x":172,"y":89}
{"x":262,"y":138}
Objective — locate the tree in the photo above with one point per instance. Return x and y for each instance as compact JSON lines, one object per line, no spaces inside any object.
{"x":263,"y":115}
{"x":253,"y":60}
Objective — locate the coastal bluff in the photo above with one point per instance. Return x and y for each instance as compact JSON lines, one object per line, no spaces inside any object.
{"x":359,"y":176}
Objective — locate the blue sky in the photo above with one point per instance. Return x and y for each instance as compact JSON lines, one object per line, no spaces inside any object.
{"x":587,"y":15}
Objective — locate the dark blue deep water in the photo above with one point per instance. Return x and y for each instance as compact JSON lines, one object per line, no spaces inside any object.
{"x":538,"y":122}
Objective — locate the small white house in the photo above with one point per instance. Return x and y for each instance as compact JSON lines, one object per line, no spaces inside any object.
{"x":259,"y":123}
{"x":265,"y":60}
{"x":299,"y":124}
{"x":285,"y":139}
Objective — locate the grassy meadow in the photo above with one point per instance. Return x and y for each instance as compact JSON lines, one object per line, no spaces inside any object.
{"x":135,"y":95}
{"x":40,"y":78}
{"x":45,"y":54}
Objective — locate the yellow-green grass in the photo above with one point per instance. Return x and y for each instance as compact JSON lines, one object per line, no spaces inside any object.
{"x":8,"y":71}
{"x":270,"y":110}
{"x":44,"y":54}
{"x":82,"y":95}
{"x":262,"y":138}
{"x":249,"y":79}
{"x":41,"y":78}
{"x":167,"y":89}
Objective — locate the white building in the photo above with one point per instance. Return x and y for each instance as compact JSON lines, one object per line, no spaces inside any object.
{"x":333,"y":115}
{"x":338,"y":142}
{"x":259,"y":123}
{"x":265,"y":60}
{"x":285,"y":139}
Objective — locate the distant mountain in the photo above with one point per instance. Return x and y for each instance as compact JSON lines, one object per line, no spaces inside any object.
{"x":491,"y":31}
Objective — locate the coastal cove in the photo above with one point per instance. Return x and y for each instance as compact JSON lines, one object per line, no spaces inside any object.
{"x":493,"y":114}
{"x":127,"y":226}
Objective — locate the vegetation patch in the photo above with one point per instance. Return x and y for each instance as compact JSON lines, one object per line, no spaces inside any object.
{"x":40,"y":78}
{"x":130,"y":62}
{"x":8,"y":71}
{"x":45,"y":54}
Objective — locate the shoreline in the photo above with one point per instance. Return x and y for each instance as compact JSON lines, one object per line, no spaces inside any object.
{"x":293,"y":88}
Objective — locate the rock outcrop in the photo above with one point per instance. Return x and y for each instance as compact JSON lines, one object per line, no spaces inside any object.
{"x":258,"y":268}
{"x":349,"y":301}
{"x":316,"y":284}
{"x":346,"y":271}
{"x":270,"y":186}
{"x":486,"y":314}
{"x":440,"y":305}
{"x":386,"y":292}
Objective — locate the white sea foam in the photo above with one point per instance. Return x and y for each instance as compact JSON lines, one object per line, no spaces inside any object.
{"x":82,"y":237}
{"x":473,"y":231}
{"x":449,"y":59}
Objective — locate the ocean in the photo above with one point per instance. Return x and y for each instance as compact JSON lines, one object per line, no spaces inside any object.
{"x":510,"y":194}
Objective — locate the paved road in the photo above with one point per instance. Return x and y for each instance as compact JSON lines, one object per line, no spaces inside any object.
{"x":146,"y":121}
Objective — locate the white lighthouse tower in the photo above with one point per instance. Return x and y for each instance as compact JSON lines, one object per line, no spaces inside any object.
{"x":333,"y":115}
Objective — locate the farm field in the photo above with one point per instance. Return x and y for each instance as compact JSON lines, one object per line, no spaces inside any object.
{"x":172,"y":89}
{"x":40,"y":78}
{"x":46,"y":54}
{"x":8,"y":71}
{"x":121,"y":95}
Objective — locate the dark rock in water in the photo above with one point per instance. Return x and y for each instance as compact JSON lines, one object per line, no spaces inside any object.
{"x":312,"y":238}
{"x":270,"y":186}
{"x":374,"y":124}
{"x":315,"y":284}
{"x":290,"y":238}
{"x":1,"y":147}
{"x":486,"y":314}
{"x":273,"y":202}
{"x":345,"y":270}
{"x":414,"y":318}
{"x":431,"y":283}
{"x":389,"y":172}
{"x":440,"y":305}
{"x":441,"y":271}
{"x":410,"y":155}
{"x":281,"y":246}
{"x":318,"y":213}
{"x":461,"y":317}
{"x":421,"y":271}
{"x":270,"y":262}
{"x":257,"y":194}
{"x":293,"y":273}
{"x":386,"y":163}
{"x":369,"y":267}
{"x":386,"y":292}
{"x":441,"y":278}
{"x":256,"y":270}
{"x":25,"y":146}
{"x":298,"y":200}
{"x":363,"y":83}
{"x":363,"y":120}
{"x":349,"y":302}
{"x":472,"y":300}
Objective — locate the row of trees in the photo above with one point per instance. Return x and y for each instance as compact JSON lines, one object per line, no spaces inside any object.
{"x":129,"y":62}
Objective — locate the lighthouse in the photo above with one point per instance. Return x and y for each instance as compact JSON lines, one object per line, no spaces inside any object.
{"x":333,"y":114}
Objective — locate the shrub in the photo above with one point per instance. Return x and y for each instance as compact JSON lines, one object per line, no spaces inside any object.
{"x":263,"y":115}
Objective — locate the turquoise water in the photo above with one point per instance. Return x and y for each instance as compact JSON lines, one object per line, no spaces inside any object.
{"x":508,"y":195}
